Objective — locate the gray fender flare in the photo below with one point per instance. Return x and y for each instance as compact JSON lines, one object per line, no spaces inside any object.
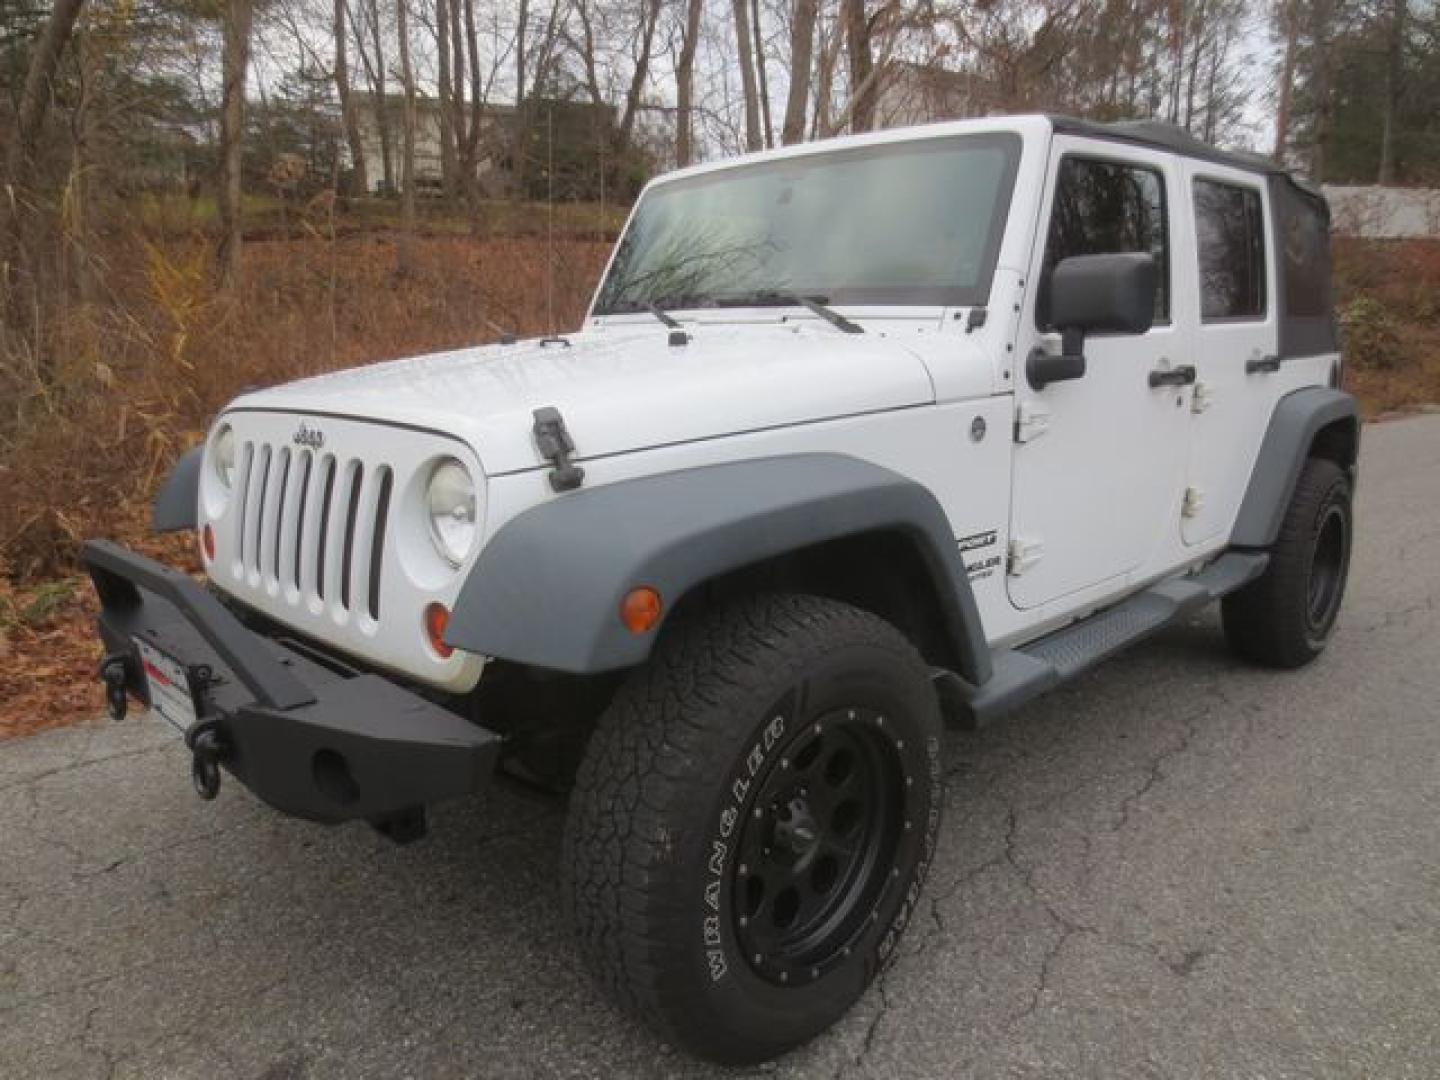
{"x":546,"y":590}
{"x":179,"y":498}
{"x":1298,"y":418}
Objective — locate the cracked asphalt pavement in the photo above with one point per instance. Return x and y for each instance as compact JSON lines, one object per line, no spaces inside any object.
{"x":1175,"y":867}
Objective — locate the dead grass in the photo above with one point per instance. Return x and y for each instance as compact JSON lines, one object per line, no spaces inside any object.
{"x":1390,"y":291}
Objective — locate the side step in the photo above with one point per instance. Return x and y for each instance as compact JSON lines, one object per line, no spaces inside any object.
{"x":1027,"y":671}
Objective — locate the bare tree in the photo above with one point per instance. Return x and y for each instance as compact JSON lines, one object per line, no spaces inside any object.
{"x":685,"y":85}
{"x":862,"y":64}
{"x":235,"y":63}
{"x":762,"y":79}
{"x":39,"y":81}
{"x":1394,"y":87}
{"x":359,"y":182}
{"x":407,"y":153}
{"x":802,"y":50}
{"x":753,"y":135}
{"x":649,"y":19}
{"x":445,"y":94}
{"x":1289,"y":19}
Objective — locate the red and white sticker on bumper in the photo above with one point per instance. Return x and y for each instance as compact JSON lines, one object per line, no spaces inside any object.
{"x":169,"y":689}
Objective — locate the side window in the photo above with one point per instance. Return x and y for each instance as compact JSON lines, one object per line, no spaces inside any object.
{"x":1305,"y":251}
{"x":1230,"y":228}
{"x":1103,"y":208}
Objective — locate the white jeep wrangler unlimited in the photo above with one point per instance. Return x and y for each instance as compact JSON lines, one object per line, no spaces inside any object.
{"x":936,"y":419}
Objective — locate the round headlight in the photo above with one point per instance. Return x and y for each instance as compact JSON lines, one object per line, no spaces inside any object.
{"x":222,"y":454}
{"x":450,"y":501}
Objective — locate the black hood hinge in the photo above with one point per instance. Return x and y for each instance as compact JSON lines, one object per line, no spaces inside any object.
{"x":556,"y":446}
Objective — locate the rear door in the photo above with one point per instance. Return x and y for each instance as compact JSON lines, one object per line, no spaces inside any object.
{"x":1237,"y":347}
{"x":1100,"y":460}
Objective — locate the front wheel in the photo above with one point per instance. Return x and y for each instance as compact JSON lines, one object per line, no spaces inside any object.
{"x":1284,"y":618}
{"x":752,"y":823}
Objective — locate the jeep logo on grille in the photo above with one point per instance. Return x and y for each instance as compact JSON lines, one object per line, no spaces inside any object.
{"x":309,"y":436}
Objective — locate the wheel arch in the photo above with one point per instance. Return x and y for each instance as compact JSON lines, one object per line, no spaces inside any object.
{"x":1314,"y":421}
{"x":547,"y":588}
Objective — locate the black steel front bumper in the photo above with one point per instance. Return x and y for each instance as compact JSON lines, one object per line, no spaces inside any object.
{"x":310,"y":738}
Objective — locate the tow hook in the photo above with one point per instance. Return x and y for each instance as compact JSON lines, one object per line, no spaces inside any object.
{"x":113,"y":674}
{"x":207,"y":750}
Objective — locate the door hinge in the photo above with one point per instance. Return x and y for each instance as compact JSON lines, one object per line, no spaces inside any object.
{"x":1201,"y":398}
{"x":1031,"y":421}
{"x":1193,"y":502}
{"x":1023,"y":554}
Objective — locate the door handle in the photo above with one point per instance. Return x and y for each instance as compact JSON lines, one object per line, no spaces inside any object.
{"x":1257,"y":365}
{"x":1183,"y":375}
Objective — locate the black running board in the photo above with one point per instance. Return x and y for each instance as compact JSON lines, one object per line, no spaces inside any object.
{"x":1027,"y":671}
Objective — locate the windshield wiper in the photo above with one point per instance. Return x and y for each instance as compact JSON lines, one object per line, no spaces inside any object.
{"x":773,"y":297}
{"x":660,"y":313}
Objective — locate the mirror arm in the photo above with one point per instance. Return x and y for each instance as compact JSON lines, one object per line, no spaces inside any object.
{"x":1042,"y":368}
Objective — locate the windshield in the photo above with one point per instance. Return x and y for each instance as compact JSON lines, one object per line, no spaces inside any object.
{"x":901,"y":223}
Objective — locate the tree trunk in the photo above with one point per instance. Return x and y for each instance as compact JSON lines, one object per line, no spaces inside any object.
{"x":359,"y":182}
{"x":235,"y":64}
{"x":802,"y":50}
{"x":762,"y":80}
{"x":753,"y":135}
{"x":1320,"y":13}
{"x":407,"y":157}
{"x":1394,"y":87}
{"x":685,"y":86}
{"x":1287,"y":78}
{"x":651,"y":18}
{"x":39,"y":80}
{"x":862,"y":65}
{"x":382,"y":102}
{"x":443,"y":92}
{"x":522,"y":18}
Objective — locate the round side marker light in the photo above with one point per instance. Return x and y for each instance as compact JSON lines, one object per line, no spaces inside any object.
{"x":640,"y":610}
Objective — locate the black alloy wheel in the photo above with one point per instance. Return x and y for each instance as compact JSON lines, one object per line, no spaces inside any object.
{"x":815,"y":851}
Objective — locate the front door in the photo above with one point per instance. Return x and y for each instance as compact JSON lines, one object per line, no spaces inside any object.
{"x":1100,"y":460}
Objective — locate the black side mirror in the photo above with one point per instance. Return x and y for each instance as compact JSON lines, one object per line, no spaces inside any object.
{"x":1093,"y":293}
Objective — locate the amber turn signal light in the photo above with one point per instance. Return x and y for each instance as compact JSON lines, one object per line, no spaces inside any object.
{"x":437,"y":618}
{"x":207,"y":542}
{"x":640,"y":610}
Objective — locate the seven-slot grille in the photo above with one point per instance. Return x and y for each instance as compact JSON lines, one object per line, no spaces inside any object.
{"x":310,"y":525}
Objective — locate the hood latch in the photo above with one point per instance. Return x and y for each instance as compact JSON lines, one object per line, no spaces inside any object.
{"x":556,"y":446}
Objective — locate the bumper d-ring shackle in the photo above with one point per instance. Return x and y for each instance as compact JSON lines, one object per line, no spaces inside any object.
{"x":207,"y":750}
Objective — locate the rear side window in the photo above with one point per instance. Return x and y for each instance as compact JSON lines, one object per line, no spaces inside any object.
{"x":1104,"y":208}
{"x":1305,"y":247}
{"x":1230,"y":228}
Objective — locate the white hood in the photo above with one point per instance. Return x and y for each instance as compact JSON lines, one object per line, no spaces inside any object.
{"x":622,"y":388}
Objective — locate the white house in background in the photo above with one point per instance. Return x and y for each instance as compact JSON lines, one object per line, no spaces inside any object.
{"x":494,"y":137}
{"x":1384,"y":213}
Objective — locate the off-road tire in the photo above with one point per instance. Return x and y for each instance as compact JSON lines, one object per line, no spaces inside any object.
{"x":674,"y":791}
{"x":1285,"y":617}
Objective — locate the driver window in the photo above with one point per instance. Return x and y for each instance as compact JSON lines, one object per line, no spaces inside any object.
{"x":1103,"y":208}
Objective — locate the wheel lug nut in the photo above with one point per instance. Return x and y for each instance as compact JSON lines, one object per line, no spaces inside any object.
{"x":743,"y":869}
{"x":784,"y":976}
{"x":757,"y":958}
{"x":814,"y":973}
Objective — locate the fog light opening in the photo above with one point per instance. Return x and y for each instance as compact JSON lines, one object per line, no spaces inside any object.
{"x":332,"y":777}
{"x":437,"y":618}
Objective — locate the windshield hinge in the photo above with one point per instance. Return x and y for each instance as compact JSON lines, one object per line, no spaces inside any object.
{"x":1031,"y":421}
{"x":556,"y":446}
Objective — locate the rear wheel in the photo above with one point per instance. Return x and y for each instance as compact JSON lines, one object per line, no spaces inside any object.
{"x":752,"y":823}
{"x":1285,"y":617}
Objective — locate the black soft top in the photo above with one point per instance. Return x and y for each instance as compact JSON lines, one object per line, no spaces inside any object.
{"x":1164,"y":136}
